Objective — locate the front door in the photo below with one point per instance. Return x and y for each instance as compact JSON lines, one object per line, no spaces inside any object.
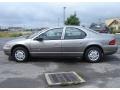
{"x":50,"y":45}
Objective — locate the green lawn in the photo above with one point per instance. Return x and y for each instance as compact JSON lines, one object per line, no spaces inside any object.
{"x":14,"y":34}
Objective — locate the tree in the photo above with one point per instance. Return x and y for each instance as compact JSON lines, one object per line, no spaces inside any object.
{"x":72,"y":20}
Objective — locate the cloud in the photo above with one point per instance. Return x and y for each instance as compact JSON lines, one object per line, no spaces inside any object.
{"x":47,"y":14}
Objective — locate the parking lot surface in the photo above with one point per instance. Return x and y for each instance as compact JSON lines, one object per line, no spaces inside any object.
{"x":31,"y":74}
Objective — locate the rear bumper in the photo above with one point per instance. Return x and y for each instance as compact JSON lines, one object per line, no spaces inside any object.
{"x":110,"y":49}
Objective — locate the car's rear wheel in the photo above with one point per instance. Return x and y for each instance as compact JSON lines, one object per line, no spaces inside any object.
{"x":20,"y":54}
{"x":93,"y":54}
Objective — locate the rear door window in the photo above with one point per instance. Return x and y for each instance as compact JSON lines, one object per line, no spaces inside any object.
{"x":74,"y":33}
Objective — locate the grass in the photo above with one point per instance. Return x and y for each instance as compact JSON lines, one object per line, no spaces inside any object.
{"x":13,"y":34}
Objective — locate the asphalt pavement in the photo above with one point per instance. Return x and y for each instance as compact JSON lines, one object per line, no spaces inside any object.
{"x":31,"y":74}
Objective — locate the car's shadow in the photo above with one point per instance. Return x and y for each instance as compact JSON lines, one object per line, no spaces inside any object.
{"x":52,"y":59}
{"x":67,"y":60}
{"x":109,"y":58}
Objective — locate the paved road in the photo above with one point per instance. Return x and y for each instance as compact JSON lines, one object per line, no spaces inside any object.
{"x":31,"y":74}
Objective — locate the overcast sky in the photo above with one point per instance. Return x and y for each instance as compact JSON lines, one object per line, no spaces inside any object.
{"x":46,"y":14}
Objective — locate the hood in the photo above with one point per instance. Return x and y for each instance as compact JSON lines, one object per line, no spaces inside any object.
{"x":17,"y":40}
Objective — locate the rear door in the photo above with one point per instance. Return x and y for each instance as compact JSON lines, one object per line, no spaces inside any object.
{"x":73,"y":42}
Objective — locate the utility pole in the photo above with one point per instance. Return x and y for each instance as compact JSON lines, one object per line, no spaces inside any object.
{"x":64,"y":8}
{"x":58,"y":21}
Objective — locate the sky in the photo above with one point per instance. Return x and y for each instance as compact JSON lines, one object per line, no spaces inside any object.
{"x":46,"y":14}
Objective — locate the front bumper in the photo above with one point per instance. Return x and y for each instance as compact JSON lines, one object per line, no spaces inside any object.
{"x":7,"y":51}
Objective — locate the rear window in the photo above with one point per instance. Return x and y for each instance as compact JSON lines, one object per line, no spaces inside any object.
{"x":91,"y":30}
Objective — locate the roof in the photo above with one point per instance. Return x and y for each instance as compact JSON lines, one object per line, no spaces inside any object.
{"x":65,"y":26}
{"x":108,"y":22}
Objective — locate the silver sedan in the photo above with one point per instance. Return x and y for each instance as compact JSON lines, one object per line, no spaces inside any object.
{"x":68,"y":41}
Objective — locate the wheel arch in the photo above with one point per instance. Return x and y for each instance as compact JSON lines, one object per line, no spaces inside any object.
{"x":94,"y":45}
{"x":19,"y":45}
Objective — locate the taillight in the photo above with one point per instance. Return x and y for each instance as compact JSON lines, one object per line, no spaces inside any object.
{"x":112,"y":42}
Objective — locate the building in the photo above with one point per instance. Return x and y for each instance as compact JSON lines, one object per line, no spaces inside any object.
{"x":3,"y":28}
{"x":113,"y":24}
{"x":15,"y":29}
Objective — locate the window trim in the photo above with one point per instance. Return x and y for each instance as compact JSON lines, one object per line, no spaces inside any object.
{"x":75,"y":28}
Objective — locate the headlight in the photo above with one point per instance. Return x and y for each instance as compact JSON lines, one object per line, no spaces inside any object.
{"x":7,"y":46}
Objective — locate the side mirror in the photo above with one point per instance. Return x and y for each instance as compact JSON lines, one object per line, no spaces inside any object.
{"x":39,"y":39}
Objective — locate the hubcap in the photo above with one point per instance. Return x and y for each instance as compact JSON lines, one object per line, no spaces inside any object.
{"x":20,"y":55}
{"x":93,"y":55}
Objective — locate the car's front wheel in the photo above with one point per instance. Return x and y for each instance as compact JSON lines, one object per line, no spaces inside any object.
{"x":93,"y":54}
{"x":20,"y":54}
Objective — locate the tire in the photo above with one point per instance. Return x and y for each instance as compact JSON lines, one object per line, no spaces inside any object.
{"x":20,"y":54}
{"x":93,"y":55}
